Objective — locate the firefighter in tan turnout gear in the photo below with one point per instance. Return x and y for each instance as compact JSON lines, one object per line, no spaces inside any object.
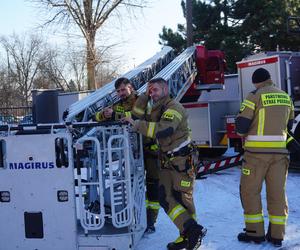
{"x":143,"y":110}
{"x":265,"y":117}
{"x":127,"y":95}
{"x":176,"y":177}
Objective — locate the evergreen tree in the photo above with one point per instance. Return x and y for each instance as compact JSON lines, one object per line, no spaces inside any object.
{"x":238,"y":27}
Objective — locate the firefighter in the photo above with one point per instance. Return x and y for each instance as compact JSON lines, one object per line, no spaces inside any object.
{"x":176,"y":177}
{"x":264,"y":119}
{"x":127,"y":95}
{"x":143,"y":110}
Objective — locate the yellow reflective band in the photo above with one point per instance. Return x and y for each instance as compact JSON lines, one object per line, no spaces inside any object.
{"x":247,"y":103}
{"x":277,"y":220}
{"x":265,"y":144}
{"x":261,"y":122}
{"x":154,"y":147}
{"x":179,"y":239}
{"x":151,"y":128}
{"x":176,"y":211}
{"x":138,"y":110}
{"x":194,"y":216}
{"x":173,"y":112}
{"x":275,"y":99}
{"x":185,"y":183}
{"x":289,"y":139}
{"x":246,"y":171}
{"x":128,"y":114}
{"x":120,"y":109}
{"x":98,"y":116}
{"x":242,"y":108}
{"x":168,"y":116}
{"x":253,"y":218}
{"x":153,"y":205}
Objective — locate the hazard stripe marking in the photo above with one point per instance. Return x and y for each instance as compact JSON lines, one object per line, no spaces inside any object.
{"x":219,"y":164}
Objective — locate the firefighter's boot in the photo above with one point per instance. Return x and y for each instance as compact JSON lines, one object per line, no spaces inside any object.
{"x":244,"y":237}
{"x":178,"y":244}
{"x":150,"y":229}
{"x":269,"y":238}
{"x":151,"y":219}
{"x":194,"y":236}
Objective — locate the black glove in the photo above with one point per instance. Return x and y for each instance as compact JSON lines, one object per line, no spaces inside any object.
{"x":292,"y":145}
{"x":65,"y":114}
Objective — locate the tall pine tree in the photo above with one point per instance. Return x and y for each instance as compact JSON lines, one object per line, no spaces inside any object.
{"x":239,"y":27}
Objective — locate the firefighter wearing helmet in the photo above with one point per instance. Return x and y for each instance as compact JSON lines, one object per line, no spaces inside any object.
{"x":265,"y":117}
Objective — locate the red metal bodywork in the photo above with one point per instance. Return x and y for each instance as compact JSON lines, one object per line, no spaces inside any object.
{"x":210,"y":70}
{"x":210,"y":66}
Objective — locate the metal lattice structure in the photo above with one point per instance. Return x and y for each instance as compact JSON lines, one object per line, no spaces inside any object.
{"x":83,"y":109}
{"x":179,"y":74}
{"x":114,"y":178}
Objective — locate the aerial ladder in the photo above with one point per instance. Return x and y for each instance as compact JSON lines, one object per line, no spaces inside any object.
{"x":82,"y":110}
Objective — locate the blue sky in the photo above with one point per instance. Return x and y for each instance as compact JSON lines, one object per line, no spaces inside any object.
{"x":137,"y":38}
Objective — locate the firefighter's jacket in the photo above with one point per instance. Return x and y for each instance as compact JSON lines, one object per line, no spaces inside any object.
{"x":120,"y":109}
{"x":171,"y":129}
{"x":144,"y":109}
{"x":264,"y":118}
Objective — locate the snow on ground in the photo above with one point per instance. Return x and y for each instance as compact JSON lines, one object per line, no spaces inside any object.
{"x":219,"y":210}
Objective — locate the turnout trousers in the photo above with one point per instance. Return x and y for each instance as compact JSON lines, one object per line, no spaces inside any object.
{"x":152,"y":166}
{"x":176,"y":193}
{"x":271,"y":168}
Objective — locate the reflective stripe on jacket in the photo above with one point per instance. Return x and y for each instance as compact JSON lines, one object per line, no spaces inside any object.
{"x":120,"y":109}
{"x":263,"y":119}
{"x":171,"y":129}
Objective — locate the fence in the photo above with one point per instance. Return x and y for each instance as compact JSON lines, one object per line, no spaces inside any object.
{"x":15,"y":115}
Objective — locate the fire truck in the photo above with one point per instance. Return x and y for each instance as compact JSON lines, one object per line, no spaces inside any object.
{"x":79,"y":185}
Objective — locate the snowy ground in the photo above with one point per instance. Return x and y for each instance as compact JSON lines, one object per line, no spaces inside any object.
{"x":219,"y":210}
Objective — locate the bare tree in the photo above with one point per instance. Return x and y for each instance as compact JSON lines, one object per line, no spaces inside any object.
{"x":65,"y":68}
{"x":76,"y":65}
{"x":24,"y":56}
{"x":52,"y":71}
{"x":89,"y":16}
{"x":7,"y":91}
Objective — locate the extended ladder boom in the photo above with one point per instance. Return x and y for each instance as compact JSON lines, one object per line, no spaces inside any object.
{"x":106,"y":95}
{"x":179,"y":73}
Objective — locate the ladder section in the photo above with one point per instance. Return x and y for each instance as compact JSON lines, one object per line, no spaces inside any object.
{"x":179,"y":74}
{"x":106,"y":95}
{"x":110,"y":173}
{"x":90,"y":188}
{"x":119,"y":181}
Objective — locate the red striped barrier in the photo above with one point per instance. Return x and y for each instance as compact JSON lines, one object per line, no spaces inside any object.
{"x":216,"y":166}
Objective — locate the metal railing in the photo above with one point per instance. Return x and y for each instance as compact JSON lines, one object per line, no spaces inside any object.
{"x":15,"y":115}
{"x":111,"y":178}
